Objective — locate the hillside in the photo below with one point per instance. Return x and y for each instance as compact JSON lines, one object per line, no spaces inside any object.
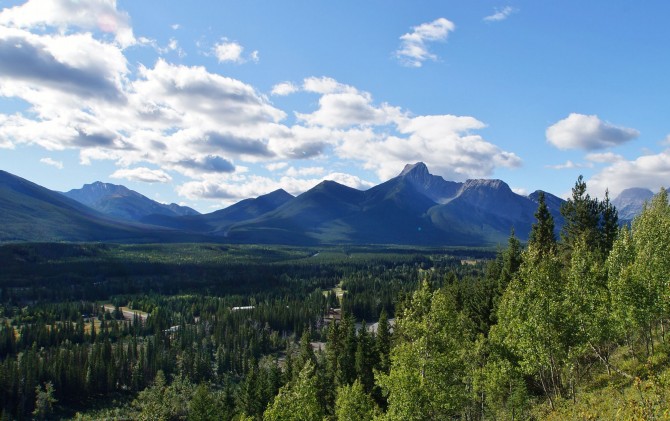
{"x":32,"y":213}
{"x":123,"y":203}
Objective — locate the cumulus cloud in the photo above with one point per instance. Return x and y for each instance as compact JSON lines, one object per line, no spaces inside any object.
{"x":276,"y":166}
{"x":326,"y":85}
{"x":587,"y":132}
{"x":228,"y":51}
{"x":98,"y":15}
{"x":500,"y":14}
{"x":650,"y":171}
{"x":444,"y":142}
{"x":142,"y":174}
{"x":307,"y":171}
{"x":209,"y":164}
{"x":413,"y":50}
{"x":52,"y":162}
{"x":300,"y":142}
{"x":235,"y":187}
{"x":604,"y":157}
{"x":340,"y":110}
{"x":195,"y":94}
{"x":231,"y":51}
{"x":68,"y":65}
{"x":284,"y":88}
{"x":568,"y":165}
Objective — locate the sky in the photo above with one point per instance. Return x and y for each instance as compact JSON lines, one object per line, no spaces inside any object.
{"x":205,"y":103}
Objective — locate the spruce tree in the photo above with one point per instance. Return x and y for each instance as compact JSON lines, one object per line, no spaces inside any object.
{"x":542,"y":233}
{"x":383,"y":342}
{"x":609,"y":224}
{"x":582,"y":217}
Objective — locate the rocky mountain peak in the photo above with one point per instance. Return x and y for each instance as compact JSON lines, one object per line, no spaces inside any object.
{"x":418,"y":169}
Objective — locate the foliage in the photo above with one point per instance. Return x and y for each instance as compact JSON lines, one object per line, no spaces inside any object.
{"x":297,"y":401}
{"x":428,"y":376}
{"x":353,"y":404}
{"x":44,"y":400}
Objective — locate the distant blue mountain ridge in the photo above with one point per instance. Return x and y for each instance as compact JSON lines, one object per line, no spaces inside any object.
{"x":413,"y":208}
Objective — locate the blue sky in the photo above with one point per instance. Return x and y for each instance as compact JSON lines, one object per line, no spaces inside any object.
{"x":205,"y":103}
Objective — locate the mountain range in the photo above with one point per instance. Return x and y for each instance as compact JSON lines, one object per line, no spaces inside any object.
{"x":123,"y":203}
{"x":29,"y":212}
{"x":413,"y":208}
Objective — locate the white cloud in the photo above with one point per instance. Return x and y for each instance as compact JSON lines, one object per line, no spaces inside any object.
{"x":284,"y":88}
{"x":650,"y":171}
{"x":175,"y":26}
{"x":143,"y":174}
{"x":299,"y":142}
{"x":520,"y":191}
{"x":54,"y":71}
{"x":197,"y":96}
{"x":587,"y":132}
{"x":231,"y":51}
{"x":500,"y":14}
{"x":99,"y":15}
{"x":228,"y":51}
{"x":275,"y":166}
{"x":305,"y":172}
{"x":232,"y":188}
{"x":604,"y":157}
{"x":445,"y":143}
{"x":326,"y":85}
{"x":173,"y":45}
{"x":52,"y":162}
{"x":568,"y":165}
{"x":413,"y":50}
{"x":340,"y":110}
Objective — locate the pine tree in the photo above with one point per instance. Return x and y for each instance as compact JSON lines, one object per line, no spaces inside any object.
{"x":347,"y":358}
{"x":205,"y":406}
{"x":582,"y":218}
{"x":609,"y":224}
{"x":542,"y":233}
{"x":365,"y":360}
{"x":383,"y":342}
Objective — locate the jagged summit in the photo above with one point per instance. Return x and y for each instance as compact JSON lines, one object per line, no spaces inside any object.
{"x":479,"y":183}
{"x":434,"y":187}
{"x":416,"y":169}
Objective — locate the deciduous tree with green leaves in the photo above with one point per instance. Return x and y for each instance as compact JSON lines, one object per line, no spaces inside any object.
{"x":428,"y":379}
{"x":353,"y":404}
{"x":298,"y":400}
